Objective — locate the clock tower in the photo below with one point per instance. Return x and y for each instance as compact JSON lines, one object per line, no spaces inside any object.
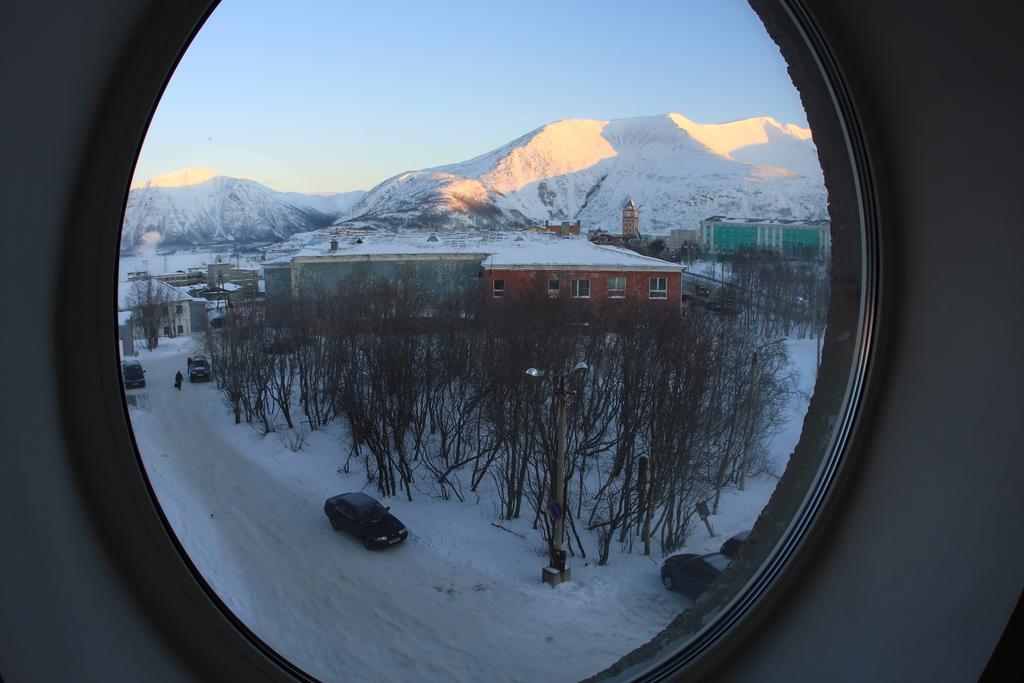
{"x":630,"y":219}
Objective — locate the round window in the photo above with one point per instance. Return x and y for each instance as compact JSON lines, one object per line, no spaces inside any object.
{"x":500,"y":342}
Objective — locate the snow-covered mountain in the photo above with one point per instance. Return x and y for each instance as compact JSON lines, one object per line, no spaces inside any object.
{"x":197,"y":206}
{"x":677,"y":171}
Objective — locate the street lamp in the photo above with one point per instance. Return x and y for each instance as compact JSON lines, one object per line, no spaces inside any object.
{"x":556,"y":572}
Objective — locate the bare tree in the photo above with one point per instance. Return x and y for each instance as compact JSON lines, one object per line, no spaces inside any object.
{"x":672,"y":412}
{"x":149,"y":300}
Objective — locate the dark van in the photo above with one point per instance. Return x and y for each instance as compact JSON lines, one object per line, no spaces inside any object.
{"x":133,"y":374}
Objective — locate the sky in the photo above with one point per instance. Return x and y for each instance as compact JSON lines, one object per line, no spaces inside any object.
{"x":332,"y":96}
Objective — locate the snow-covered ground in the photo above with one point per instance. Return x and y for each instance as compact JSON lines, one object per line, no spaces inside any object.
{"x":460,"y":600}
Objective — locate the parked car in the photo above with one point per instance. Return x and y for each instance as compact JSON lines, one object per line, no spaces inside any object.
{"x":731,"y":547}
{"x":691,"y":574}
{"x":360,"y":514}
{"x":133,"y":374}
{"x":199,"y":370}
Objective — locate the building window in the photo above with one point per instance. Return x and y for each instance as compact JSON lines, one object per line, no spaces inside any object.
{"x":581,"y":289}
{"x":177,"y":309}
{"x":554,"y":287}
{"x":499,"y":289}
{"x":181,"y":329}
{"x":617,"y":287}
{"x":167,"y":331}
{"x":659,"y":288}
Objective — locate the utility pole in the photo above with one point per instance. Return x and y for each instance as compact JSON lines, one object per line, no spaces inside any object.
{"x":556,"y":572}
{"x":558,"y":509}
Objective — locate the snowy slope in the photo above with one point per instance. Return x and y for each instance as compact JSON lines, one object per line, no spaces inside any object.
{"x":197,"y":206}
{"x":677,"y":171}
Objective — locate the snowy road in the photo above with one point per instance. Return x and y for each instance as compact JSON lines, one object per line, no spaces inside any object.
{"x":258,"y":534}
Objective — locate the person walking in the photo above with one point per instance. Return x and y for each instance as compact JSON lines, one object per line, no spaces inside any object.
{"x":178,"y":379}
{"x":190,"y":363}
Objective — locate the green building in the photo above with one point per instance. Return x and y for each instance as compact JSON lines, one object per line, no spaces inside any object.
{"x":437,"y":267}
{"x":793,"y":239}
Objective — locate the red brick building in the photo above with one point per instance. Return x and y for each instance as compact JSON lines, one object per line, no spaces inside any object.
{"x":582,"y":273}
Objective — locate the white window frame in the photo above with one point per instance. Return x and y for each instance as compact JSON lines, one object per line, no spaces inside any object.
{"x":576,"y":289}
{"x":618,"y":293}
{"x":496,"y":292}
{"x":659,"y":293}
{"x":553,"y":292}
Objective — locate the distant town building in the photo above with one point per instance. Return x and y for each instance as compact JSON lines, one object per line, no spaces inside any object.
{"x":229,"y":292}
{"x":630,"y":235}
{"x":224,"y":276}
{"x":793,"y":239}
{"x":217,"y":274}
{"x":563,"y":228}
{"x":604,"y":237}
{"x":682,"y":236}
{"x":180,"y":278}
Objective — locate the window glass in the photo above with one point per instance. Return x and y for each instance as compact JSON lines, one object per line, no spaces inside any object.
{"x":616,"y":286}
{"x":581,"y":289}
{"x":537,"y":467}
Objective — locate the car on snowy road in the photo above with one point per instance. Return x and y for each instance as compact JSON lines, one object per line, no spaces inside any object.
{"x":361,"y":514}
{"x":691,"y":574}
{"x":199,"y":371}
{"x":133,"y":374}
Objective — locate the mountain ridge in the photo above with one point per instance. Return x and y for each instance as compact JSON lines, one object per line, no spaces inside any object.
{"x":676,"y":170}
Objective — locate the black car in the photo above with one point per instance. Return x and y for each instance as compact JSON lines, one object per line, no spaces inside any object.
{"x":692,"y":574}
{"x":133,"y":374}
{"x":362,"y":515}
{"x":731,"y":547}
{"x":199,"y":371}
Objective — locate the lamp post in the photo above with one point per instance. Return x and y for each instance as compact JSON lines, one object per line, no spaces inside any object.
{"x":556,"y":572}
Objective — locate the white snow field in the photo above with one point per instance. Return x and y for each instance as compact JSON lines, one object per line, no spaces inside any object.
{"x":460,"y":600}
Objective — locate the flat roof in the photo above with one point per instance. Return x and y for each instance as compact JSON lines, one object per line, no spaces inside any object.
{"x":497,"y":250}
{"x":766,"y":221}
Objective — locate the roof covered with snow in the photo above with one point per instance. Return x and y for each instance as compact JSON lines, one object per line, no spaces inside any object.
{"x":193,"y":289}
{"x":497,"y":250}
{"x":129,"y":291}
{"x":764,"y":221}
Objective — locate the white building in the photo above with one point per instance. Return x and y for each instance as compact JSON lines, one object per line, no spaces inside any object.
{"x":183,"y":313}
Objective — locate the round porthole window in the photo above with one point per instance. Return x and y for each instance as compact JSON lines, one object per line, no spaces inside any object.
{"x":495,"y":343}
